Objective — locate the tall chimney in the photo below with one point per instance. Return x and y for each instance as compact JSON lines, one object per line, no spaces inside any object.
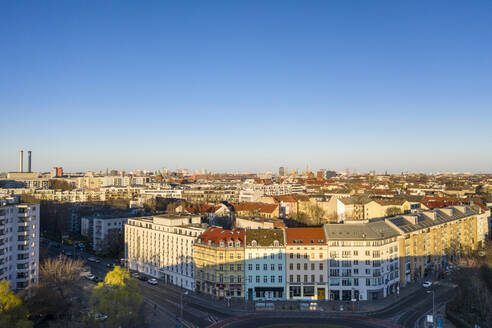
{"x":29,"y":161}
{"x":21,"y":161}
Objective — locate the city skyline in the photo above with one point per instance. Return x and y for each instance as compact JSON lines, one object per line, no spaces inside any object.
{"x":247,"y":86}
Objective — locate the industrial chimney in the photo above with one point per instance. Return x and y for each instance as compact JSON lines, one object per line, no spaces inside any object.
{"x":29,"y":161}
{"x":21,"y":161}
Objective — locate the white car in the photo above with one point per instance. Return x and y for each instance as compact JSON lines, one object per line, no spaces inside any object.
{"x":91,"y":259}
{"x":90,"y":276}
{"x":427,"y":284}
{"x":152,"y":281}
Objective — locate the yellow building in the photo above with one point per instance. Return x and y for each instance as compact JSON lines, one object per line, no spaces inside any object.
{"x":431,"y":239}
{"x":219,"y":263}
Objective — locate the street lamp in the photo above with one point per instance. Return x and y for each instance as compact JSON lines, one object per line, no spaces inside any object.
{"x":182,"y":294}
{"x":433,"y":307}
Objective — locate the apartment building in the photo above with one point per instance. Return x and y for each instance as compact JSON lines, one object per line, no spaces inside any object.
{"x":363,"y":260}
{"x":219,"y":263}
{"x":306,"y":263}
{"x":265,"y":264}
{"x":430,"y":239}
{"x":19,"y":242}
{"x":104,"y":229}
{"x":163,"y":247}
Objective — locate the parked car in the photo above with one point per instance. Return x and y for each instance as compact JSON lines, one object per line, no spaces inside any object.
{"x":152,"y":281}
{"x":90,"y":276}
{"x":91,"y":259}
{"x":135,"y":275}
{"x":98,"y":260}
{"x":142,"y":278}
{"x":427,"y":284}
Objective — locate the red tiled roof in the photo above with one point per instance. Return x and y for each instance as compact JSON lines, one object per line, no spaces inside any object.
{"x":217,"y":234}
{"x":305,"y":236}
{"x":439,"y":202}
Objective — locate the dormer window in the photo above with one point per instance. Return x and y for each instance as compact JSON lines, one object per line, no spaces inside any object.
{"x":210,"y":242}
{"x":276,"y":243}
{"x":222,"y":243}
{"x":230,"y":243}
{"x":238,"y":243}
{"x":254,"y":243}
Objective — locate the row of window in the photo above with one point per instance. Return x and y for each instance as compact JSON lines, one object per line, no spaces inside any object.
{"x":265,"y":267}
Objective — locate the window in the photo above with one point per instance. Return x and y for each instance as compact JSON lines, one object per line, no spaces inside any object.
{"x":264,"y":256}
{"x":305,"y":266}
{"x":265,"y":267}
{"x":250,"y":279}
{"x":312,"y":266}
{"x":356,"y":281}
{"x":272,"y":267}
{"x":280,"y":279}
{"x":291,"y":266}
{"x":298,"y":278}
{"x":239,"y":279}
{"x":265,"y":279}
{"x":257,"y":267}
{"x":279,"y":267}
{"x":279,"y":256}
{"x":221,"y":267}
{"x":308,"y":290}
{"x":272,"y":279}
{"x":320,"y":278}
{"x":291,"y":255}
{"x":368,"y":282}
{"x":272,"y":256}
{"x":356,"y":253}
{"x":250,"y":267}
{"x":368,"y":262}
{"x":239,"y":267}
{"x":295,"y":291}
{"x":305,"y":255}
{"x":321,"y":255}
{"x":291,"y":278}
{"x":356,"y":262}
{"x":356,"y":271}
{"x":368,"y":253}
{"x":305,"y":278}
{"x":257,"y":279}
{"x":231,"y":256}
{"x":313,"y":279}
{"x":231,"y":279}
{"x":298,"y":266}
{"x":298,"y":255}
{"x":231,"y":267}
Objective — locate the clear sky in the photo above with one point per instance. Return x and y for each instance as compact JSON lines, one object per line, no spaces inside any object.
{"x":247,"y":85}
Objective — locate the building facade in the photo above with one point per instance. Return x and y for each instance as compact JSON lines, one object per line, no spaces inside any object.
{"x":19,"y":242}
{"x":219,"y":263}
{"x":162,"y":247}
{"x":306,"y":263}
{"x":265,"y":264}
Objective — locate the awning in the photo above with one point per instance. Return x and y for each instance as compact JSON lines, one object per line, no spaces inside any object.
{"x":269,"y":289}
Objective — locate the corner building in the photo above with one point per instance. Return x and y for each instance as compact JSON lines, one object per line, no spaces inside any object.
{"x":219,"y":263}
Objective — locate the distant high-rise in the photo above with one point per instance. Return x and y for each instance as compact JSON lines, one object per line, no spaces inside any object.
{"x":282,"y":171}
{"x":29,"y":161}
{"x":21,"y":161}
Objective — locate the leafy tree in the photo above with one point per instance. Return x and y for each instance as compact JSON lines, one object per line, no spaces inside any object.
{"x":60,"y":184}
{"x":119,"y":298}
{"x":12,"y":313}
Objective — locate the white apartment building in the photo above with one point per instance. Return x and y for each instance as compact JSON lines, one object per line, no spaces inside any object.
{"x":364,"y":260}
{"x":162,"y":247}
{"x":19,"y":242}
{"x":103,"y":227}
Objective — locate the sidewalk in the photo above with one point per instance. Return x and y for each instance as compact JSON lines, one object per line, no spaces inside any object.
{"x":240,"y":307}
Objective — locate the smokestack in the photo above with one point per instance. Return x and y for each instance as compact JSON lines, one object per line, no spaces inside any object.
{"x":29,"y":161}
{"x":21,"y":161}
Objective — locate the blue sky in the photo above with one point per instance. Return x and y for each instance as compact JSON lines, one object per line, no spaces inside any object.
{"x":247,"y":86}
